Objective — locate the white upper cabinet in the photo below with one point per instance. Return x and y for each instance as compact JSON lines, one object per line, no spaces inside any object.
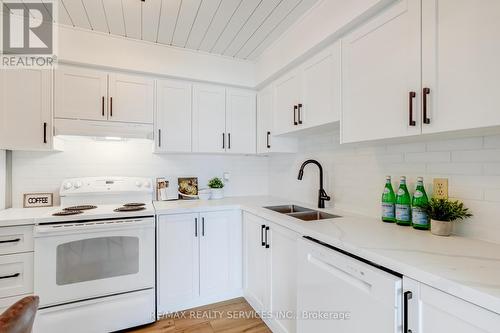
{"x":173,"y":116}
{"x":209,"y":119}
{"x":224,"y":120}
{"x":241,"y":121}
{"x":321,"y":88}
{"x":131,"y":99}
{"x":26,"y":109}
{"x":287,"y":98}
{"x":461,"y":68}
{"x":310,"y":95}
{"x":381,"y":73}
{"x":266,"y":141}
{"x":433,"y":311}
{"x":86,"y":94}
{"x":81,"y":93}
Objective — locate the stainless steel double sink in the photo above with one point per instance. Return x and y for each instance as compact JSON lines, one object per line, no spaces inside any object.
{"x":304,"y":214}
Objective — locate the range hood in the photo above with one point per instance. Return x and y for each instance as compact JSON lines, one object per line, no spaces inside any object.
{"x":94,"y":128}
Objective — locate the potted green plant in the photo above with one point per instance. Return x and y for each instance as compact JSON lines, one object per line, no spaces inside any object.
{"x":443,"y":212}
{"x":217,"y":186}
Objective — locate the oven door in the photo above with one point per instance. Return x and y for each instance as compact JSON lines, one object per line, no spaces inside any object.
{"x":79,"y":261}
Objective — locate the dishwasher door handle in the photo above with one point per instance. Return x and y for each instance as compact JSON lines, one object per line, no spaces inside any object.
{"x":340,"y":273}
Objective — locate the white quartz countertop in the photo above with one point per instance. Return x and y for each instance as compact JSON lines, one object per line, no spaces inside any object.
{"x":463,"y":267}
{"x":22,"y":216}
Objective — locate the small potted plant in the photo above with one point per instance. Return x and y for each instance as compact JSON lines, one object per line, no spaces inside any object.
{"x":443,"y":212}
{"x":217,"y":187}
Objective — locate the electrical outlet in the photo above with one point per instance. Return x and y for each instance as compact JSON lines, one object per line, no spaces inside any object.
{"x":440,"y":188}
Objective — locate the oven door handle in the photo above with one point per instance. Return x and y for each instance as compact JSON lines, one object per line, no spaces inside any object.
{"x":46,"y":230}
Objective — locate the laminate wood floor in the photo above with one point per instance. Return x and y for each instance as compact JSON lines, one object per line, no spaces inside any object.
{"x":233,"y":316}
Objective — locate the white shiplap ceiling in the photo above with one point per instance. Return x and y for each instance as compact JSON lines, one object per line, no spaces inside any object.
{"x":234,"y":28}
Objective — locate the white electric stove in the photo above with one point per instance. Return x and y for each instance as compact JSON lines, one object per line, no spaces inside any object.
{"x":95,"y":257}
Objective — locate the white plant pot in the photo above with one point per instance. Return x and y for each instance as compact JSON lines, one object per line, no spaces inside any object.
{"x":217,"y":193}
{"x":441,"y":228}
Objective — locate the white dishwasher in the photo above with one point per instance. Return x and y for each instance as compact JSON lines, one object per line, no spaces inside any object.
{"x":341,"y":293}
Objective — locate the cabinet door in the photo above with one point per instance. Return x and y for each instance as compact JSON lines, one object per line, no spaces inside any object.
{"x":460,"y":63}
{"x":283,"y":268}
{"x":241,"y":121}
{"x":433,"y":311}
{"x":131,"y":99}
{"x":177,"y":261}
{"x":26,"y":104}
{"x":81,"y":93}
{"x":173,"y":116}
{"x":380,"y":69}
{"x":220,"y":253}
{"x":255,"y":262}
{"x":321,"y":92}
{"x":287,"y":96}
{"x":266,"y":141}
{"x":209,"y":119}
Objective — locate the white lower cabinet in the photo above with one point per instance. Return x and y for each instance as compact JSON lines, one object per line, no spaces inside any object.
{"x":198,"y":259}
{"x":432,"y":311}
{"x":270,"y":256}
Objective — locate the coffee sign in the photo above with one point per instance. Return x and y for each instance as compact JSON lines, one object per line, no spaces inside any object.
{"x":32,"y":200}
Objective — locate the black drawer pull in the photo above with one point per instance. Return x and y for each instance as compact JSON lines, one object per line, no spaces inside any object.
{"x":411,"y":97}
{"x":10,"y":241}
{"x":267,"y":241}
{"x":295,"y":115}
{"x":299,"y":112}
{"x":10,"y":276}
{"x":268,"y":142}
{"x":262,"y":228}
{"x":426,"y":92}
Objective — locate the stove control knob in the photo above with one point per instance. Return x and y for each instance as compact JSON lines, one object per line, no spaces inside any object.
{"x":78,"y":184}
{"x":147,"y":184}
{"x":68,"y":185}
{"x":138,"y":184}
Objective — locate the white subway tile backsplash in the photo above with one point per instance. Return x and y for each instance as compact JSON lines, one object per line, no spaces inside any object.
{"x":455,"y":168}
{"x":492,"y":141}
{"x":428,"y":157}
{"x":472,"y":166}
{"x":455,"y":144}
{"x":407,"y":148}
{"x":487,"y":155}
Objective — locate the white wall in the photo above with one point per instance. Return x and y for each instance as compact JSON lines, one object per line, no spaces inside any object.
{"x":45,"y":171}
{"x":3,"y":170}
{"x":355,"y":175}
{"x":323,"y":24}
{"x":99,"y":49}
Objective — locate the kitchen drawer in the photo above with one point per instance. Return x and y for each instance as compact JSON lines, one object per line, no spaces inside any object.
{"x":16,"y":274}
{"x":8,"y":301}
{"x":16,"y":239}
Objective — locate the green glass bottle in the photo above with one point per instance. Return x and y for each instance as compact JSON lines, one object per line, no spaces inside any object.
{"x":403,"y":204}
{"x":420,"y":219}
{"x":388,"y":202}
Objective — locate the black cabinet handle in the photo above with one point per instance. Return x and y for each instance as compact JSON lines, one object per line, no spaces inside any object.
{"x":223,"y":141}
{"x":159,"y":137}
{"x":407,"y":296}
{"x":299,"y":112}
{"x":195,"y":227}
{"x":10,"y":241}
{"x":295,"y":115}
{"x":44,"y":132}
{"x":102,"y":106}
{"x":262,"y":228}
{"x":228,"y":140}
{"x":203,"y":226}
{"x":426,"y":92}
{"x":268,"y":144}
{"x":111,"y":106}
{"x":267,"y":241}
{"x":10,"y":276}
{"x":411,"y":97}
